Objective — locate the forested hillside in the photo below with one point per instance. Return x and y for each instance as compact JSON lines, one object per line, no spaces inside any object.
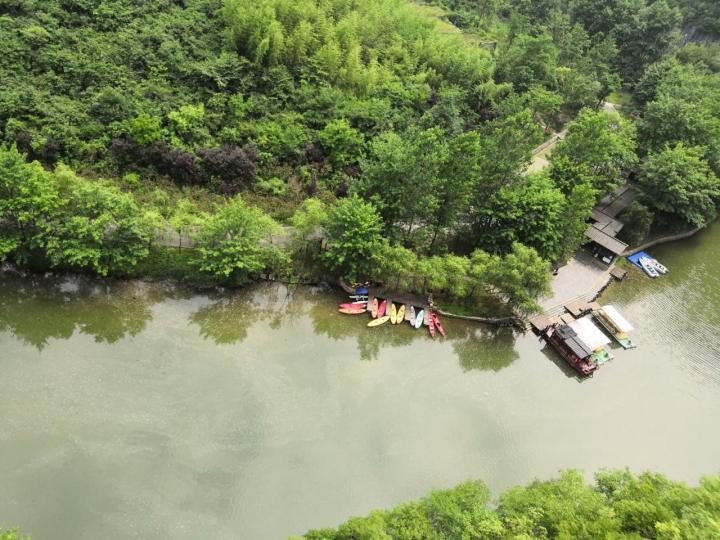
{"x":203,"y":116}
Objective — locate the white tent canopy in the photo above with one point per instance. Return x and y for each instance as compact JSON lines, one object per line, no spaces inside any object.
{"x":589,"y":333}
{"x":618,"y":320}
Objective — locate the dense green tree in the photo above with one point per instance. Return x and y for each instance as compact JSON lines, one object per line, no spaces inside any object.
{"x":637,"y":219}
{"x":97,"y":227}
{"x":530,"y":212}
{"x":396,"y":267}
{"x":683,"y":109}
{"x":401,"y":176}
{"x":527,"y":61}
{"x":520,"y":278}
{"x":505,"y":146}
{"x":308,"y":221}
{"x":342,"y":143}
{"x":643,"y":31}
{"x":28,"y":199}
{"x":679,"y":182}
{"x":602,"y":144}
{"x":232,"y":242}
{"x":353,"y":238}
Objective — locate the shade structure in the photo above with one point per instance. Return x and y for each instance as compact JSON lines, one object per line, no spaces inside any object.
{"x":589,"y":333}
{"x":618,"y":320}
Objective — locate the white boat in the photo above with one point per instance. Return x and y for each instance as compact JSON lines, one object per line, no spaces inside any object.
{"x":649,"y":267}
{"x":659,"y":267}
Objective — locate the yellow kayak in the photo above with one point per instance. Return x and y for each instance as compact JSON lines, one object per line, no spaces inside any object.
{"x":393,"y":314}
{"x":378,"y":322}
{"x":400,"y":314}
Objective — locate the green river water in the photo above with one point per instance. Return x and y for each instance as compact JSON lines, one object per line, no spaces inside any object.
{"x":132,"y":410}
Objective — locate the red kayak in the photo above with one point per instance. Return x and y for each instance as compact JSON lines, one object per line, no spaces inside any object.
{"x":431,"y":326}
{"x":353,"y":305}
{"x":381,"y":308}
{"x":439,"y":326}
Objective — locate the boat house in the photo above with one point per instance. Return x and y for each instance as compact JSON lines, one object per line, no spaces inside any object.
{"x":603,"y":232}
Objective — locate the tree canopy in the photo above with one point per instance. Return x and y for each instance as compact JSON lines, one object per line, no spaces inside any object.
{"x":618,"y":504}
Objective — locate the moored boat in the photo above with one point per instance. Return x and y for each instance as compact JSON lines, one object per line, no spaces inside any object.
{"x":615,"y":324}
{"x":352,"y":311}
{"x":411,"y":316}
{"x":659,"y":267}
{"x":379,"y":321}
{"x":353,"y":305}
{"x":374,"y":308}
{"x":381,"y":309}
{"x":431,"y":326}
{"x":648,"y":267}
{"x":436,"y":321}
{"x":393,"y":313}
{"x":419,"y":318}
{"x":565,"y":341}
{"x":400,"y":314}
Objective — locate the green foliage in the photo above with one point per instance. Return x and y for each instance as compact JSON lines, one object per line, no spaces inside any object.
{"x":28,"y":198}
{"x":678,"y":181}
{"x":353,"y":238}
{"x":602,"y":145}
{"x":309,"y":220}
{"x":96,"y":227}
{"x":12,"y":535}
{"x":233,"y":242}
{"x":618,"y":505}
{"x":145,"y":129}
{"x":637,"y":219}
{"x":529,"y":212}
{"x":643,"y":31}
{"x":682,"y":107}
{"x":521,"y":277}
{"x":342,"y":143}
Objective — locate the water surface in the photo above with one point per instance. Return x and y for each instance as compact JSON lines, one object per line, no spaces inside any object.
{"x":130,"y":410}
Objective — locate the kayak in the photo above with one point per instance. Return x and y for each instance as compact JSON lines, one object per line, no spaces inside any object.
{"x":411,"y":315}
{"x":419,"y":319}
{"x":393,"y":313}
{"x":431,"y":326}
{"x":439,"y":326}
{"x":362,"y":290}
{"x":374,"y":308}
{"x":381,"y":308}
{"x":400,"y":314}
{"x":353,"y":305}
{"x":352,"y":311}
{"x":379,"y":321}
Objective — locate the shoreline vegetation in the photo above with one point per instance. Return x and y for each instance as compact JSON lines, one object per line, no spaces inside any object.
{"x":392,"y":139}
{"x":618,"y":504}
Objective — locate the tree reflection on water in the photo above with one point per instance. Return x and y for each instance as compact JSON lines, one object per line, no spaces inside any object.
{"x":36,"y":309}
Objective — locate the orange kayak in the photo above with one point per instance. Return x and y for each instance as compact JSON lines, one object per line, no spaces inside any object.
{"x":431,"y":326}
{"x":352,"y":311}
{"x":354,"y":305}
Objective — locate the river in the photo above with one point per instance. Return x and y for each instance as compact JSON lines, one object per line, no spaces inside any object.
{"x":135,"y":410}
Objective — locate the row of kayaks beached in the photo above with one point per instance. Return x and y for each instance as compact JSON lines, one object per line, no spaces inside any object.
{"x":384,"y":311}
